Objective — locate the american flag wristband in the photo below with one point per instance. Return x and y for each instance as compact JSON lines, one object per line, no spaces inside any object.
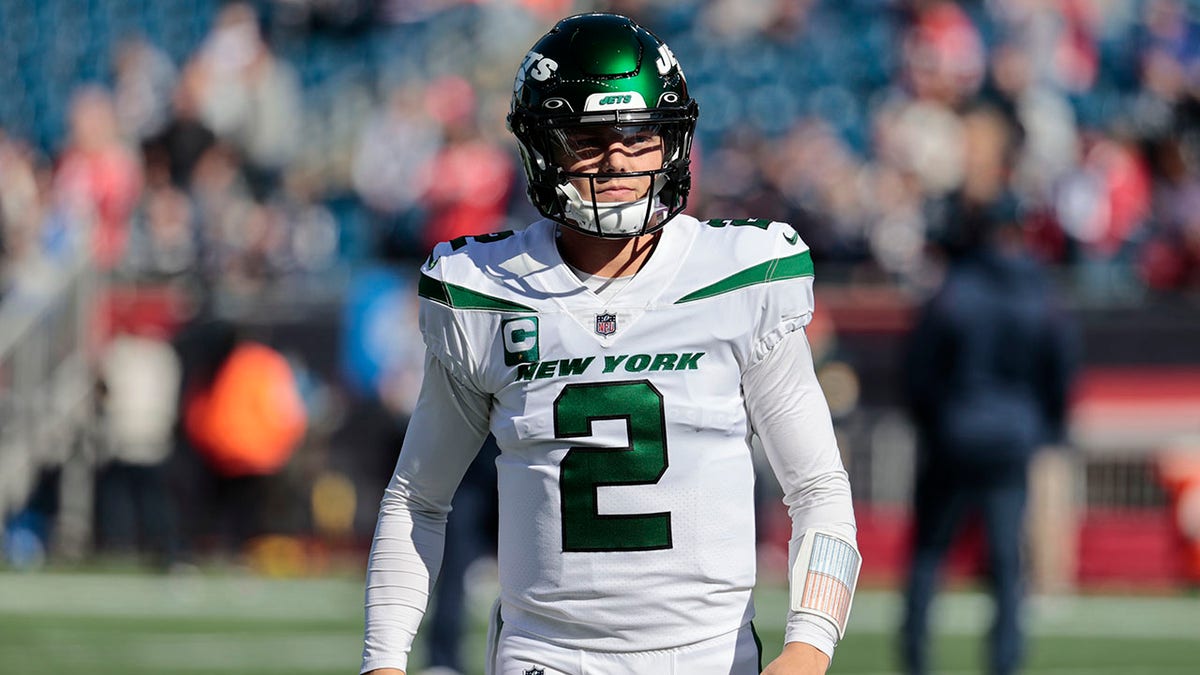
{"x":824,"y":575}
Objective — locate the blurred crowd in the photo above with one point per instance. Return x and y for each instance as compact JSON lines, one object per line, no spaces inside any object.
{"x":226,"y":153}
{"x":297,"y":137}
{"x":1074,"y":118}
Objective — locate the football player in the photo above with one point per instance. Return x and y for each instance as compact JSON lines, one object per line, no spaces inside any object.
{"x":623,"y":354}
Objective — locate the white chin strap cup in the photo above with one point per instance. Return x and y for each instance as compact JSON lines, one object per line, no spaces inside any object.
{"x":624,"y":219}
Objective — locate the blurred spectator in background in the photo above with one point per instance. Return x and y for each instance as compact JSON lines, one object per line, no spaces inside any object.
{"x":99,"y":176}
{"x":393,"y":168}
{"x":308,"y":246}
{"x":249,"y":419}
{"x":918,"y":134}
{"x":1103,"y":206}
{"x":20,"y":217}
{"x":471,"y":177}
{"x":135,"y":514}
{"x":989,"y":365}
{"x":184,"y":137}
{"x":1168,"y":111}
{"x":162,"y":240}
{"x":144,"y":79}
{"x":248,"y":95}
{"x":223,"y":200}
{"x":243,"y":416}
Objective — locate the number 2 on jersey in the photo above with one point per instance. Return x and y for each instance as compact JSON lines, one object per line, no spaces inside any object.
{"x":584,"y":470}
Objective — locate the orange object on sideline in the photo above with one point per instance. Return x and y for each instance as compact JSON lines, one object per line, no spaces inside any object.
{"x":249,"y":422}
{"x":1179,"y":472}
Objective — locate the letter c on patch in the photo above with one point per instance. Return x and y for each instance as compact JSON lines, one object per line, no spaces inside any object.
{"x":520,"y":335}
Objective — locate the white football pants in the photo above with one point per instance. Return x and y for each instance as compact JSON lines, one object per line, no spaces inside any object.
{"x":516,"y":653}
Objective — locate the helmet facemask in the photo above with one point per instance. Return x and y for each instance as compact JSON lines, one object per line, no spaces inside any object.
{"x":550,"y":115}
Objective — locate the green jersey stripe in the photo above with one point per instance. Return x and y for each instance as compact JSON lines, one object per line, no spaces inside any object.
{"x":459,"y":297}
{"x":799,"y":265}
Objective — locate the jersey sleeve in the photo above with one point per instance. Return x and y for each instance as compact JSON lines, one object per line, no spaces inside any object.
{"x":787,"y":301}
{"x":446,"y":339}
{"x":448,"y":426}
{"x":791,"y":417}
{"x":464,"y":301}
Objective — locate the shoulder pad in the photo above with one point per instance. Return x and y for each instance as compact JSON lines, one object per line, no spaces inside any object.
{"x":468,"y":273}
{"x":734,"y":254}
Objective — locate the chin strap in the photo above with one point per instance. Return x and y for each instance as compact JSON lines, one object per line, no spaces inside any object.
{"x":624,"y":219}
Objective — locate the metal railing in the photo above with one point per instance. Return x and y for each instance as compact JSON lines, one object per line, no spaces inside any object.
{"x":46,"y":392}
{"x":881,"y":453}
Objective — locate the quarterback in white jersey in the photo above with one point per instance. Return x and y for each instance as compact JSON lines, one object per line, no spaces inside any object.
{"x":623,"y":365}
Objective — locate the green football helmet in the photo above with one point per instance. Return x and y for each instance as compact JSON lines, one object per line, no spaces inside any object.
{"x":596,"y":72}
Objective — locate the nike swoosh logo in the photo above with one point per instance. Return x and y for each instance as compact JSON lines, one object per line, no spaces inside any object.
{"x":432,"y":262}
{"x":792,"y":239}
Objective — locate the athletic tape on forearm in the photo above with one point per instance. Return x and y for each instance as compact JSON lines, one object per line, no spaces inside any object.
{"x":824,"y":576}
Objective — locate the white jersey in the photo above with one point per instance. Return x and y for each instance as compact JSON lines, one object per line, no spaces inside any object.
{"x":625,"y":474}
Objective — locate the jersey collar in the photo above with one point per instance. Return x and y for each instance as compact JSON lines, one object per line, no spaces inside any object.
{"x":642,"y":291}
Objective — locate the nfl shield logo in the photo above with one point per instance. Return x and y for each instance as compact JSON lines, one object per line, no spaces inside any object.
{"x":606,"y":324}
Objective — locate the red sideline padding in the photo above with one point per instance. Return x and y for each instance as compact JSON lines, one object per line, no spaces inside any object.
{"x":1128,"y":548}
{"x":884,"y":533}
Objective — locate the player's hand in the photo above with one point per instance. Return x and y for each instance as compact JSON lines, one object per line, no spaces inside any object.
{"x":798,"y":658}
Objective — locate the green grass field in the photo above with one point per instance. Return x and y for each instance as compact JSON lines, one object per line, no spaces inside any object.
{"x":230,"y":624}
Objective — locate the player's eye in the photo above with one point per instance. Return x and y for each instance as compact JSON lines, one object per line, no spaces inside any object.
{"x":639,"y":139}
{"x":580,"y":145}
{"x":590,"y":144}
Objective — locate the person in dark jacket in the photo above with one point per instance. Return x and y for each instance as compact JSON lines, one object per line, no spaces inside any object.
{"x":988,"y":370}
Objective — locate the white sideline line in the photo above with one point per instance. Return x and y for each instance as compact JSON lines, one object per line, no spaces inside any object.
{"x":340,"y":599}
{"x":192,"y":596}
{"x":157,"y":652}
